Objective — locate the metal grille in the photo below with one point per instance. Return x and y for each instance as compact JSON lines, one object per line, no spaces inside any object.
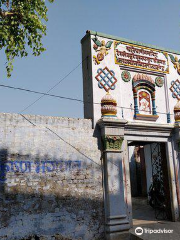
{"x":160,"y":204}
{"x":156,"y":159}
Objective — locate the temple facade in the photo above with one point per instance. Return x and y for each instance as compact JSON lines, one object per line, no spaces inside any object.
{"x":132,"y":93}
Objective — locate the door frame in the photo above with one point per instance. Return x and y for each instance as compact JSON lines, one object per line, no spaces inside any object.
{"x":153,"y":133}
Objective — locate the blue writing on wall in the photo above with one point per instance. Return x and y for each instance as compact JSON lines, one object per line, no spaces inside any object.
{"x":38,"y":167}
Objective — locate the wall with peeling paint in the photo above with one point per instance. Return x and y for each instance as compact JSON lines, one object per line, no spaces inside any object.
{"x":50,"y":185}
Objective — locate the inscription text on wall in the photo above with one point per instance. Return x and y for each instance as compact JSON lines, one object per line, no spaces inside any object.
{"x":141,"y":57}
{"x":37,"y":167}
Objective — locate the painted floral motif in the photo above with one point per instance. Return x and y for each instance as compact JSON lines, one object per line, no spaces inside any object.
{"x":101,"y":48}
{"x":144,"y":102}
{"x":176,"y":62}
{"x":113,"y":143}
{"x":126,"y":76}
{"x":159,"y":81}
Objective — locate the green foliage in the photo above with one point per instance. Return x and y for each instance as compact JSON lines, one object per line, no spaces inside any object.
{"x":22,"y":24}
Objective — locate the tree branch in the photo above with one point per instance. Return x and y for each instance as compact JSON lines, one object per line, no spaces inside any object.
{"x":5,"y":14}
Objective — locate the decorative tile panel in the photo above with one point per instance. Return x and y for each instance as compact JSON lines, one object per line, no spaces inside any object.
{"x":175,"y":89}
{"x":106,"y":79}
{"x":126,"y":76}
{"x":159,"y":81}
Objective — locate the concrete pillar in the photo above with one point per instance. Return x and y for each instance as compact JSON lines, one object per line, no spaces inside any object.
{"x":172,"y":182}
{"x":118,"y":213}
{"x":176,"y":154}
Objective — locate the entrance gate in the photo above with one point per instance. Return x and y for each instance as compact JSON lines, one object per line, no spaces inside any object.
{"x":149,"y":181}
{"x":115,"y":135}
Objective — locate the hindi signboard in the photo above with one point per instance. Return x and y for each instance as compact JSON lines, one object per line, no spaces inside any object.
{"x":141,"y":57}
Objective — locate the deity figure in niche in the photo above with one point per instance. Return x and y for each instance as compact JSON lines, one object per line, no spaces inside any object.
{"x":144,"y":102}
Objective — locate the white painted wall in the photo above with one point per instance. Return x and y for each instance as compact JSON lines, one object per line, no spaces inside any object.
{"x":123,"y":92}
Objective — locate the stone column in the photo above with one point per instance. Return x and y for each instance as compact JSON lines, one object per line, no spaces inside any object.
{"x":176,"y":139}
{"x":173,"y":181}
{"x":115,"y":165}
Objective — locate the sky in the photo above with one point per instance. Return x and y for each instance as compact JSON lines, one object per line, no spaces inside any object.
{"x":155,"y":22}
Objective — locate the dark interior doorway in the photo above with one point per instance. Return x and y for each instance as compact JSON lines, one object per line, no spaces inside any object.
{"x":139,"y":186}
{"x":149,"y":181}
